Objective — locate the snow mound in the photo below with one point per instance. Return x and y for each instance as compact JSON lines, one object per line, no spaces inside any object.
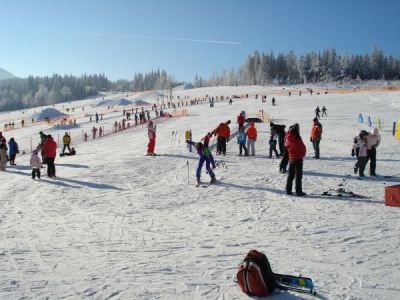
{"x":48,"y":113}
{"x":118,"y":102}
{"x":141,"y":102}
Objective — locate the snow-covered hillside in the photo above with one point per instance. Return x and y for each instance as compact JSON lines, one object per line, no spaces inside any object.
{"x":116,"y":224}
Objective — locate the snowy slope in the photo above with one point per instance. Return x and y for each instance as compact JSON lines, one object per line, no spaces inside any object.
{"x":116,"y":224}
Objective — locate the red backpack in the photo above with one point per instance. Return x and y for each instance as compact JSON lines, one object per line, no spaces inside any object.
{"x":255,"y":276}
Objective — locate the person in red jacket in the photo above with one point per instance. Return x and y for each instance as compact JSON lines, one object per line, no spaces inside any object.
{"x":223,"y":133}
{"x":296,"y":151}
{"x":251,"y":138}
{"x":240,"y":121}
{"x":50,"y":151}
{"x":151,"y":132}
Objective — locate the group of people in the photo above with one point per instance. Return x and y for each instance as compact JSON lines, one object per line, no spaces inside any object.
{"x":364,"y":149}
{"x":9,"y":157}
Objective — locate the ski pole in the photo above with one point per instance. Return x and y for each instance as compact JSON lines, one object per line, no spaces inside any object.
{"x":187,"y":164}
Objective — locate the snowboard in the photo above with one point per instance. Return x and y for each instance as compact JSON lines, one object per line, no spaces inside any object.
{"x":67,"y":154}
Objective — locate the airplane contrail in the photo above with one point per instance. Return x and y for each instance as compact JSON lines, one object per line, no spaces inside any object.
{"x":146,"y":37}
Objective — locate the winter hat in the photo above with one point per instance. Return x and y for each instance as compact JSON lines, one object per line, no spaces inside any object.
{"x":375,"y":131}
{"x":271,"y":124}
{"x":315,"y":120}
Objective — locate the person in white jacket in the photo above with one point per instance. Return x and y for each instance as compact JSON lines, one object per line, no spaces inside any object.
{"x":373,"y":141}
{"x":36,"y":164}
{"x":360,"y":146}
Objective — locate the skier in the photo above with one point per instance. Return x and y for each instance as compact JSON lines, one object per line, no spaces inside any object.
{"x":240,"y":120}
{"x":360,"y":150}
{"x":324,"y":110}
{"x":373,"y":141}
{"x":296,"y":151}
{"x":316,"y":135}
{"x":97,"y":118}
{"x":3,"y":156}
{"x":230,"y":101}
{"x":280,"y":132}
{"x":206,"y":141}
{"x":100,"y":131}
{"x":85,"y":136}
{"x":241,"y":140}
{"x":151,"y":131}
{"x":13,"y":151}
{"x":94,"y":132}
{"x":272,"y":144}
{"x":115,"y":126}
{"x":273,"y":101}
{"x":317,"y":111}
{"x":251,"y":138}
{"x":223,"y":133}
{"x":50,"y":149}
{"x":204,"y":154}
{"x":67,"y":142}
{"x":36,"y":164}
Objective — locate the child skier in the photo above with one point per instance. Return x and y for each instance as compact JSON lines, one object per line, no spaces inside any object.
{"x":272,"y":144}
{"x":206,"y":140}
{"x":36,"y":164}
{"x":241,"y":140}
{"x":360,"y":144}
{"x":151,"y":131}
{"x":204,"y":154}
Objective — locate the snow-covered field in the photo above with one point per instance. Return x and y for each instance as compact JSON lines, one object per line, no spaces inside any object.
{"x":117,"y":224}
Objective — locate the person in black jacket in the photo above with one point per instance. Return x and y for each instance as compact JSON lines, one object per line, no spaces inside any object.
{"x":280,"y":132}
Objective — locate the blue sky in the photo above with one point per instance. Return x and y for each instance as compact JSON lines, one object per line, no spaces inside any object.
{"x":185,"y":37}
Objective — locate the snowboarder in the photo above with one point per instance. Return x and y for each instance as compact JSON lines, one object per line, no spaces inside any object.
{"x":240,"y":120}
{"x":36,"y":164}
{"x":204,"y":157}
{"x":324,"y":110}
{"x":50,"y":149}
{"x":272,"y":144}
{"x":241,"y":140}
{"x":223,"y":133}
{"x":373,"y":141}
{"x":251,"y":134}
{"x":316,"y":135}
{"x":13,"y":151}
{"x":151,"y":131}
{"x":67,"y":142}
{"x":296,"y":151}
{"x":317,"y":111}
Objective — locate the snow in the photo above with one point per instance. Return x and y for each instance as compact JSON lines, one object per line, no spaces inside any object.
{"x":117,"y":224}
{"x":48,"y":113}
{"x":119,"y":102}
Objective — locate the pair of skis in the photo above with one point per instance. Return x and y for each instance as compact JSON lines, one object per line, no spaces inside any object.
{"x":295,"y":283}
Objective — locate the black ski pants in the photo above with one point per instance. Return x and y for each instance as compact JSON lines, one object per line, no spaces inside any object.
{"x":371,"y":157}
{"x":35,"y":172}
{"x":295,"y":170}
{"x":284,"y":161}
{"x":221,"y":144}
{"x":315,"y":144}
{"x":51,"y":168}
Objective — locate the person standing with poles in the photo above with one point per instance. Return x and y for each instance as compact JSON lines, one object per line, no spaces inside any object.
{"x":67,"y":142}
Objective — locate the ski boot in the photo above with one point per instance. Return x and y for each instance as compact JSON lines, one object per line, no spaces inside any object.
{"x":213,"y":180}
{"x":198,"y":181}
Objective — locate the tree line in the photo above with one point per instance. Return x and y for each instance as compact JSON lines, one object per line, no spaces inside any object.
{"x":288,"y":68}
{"x":20,"y":93}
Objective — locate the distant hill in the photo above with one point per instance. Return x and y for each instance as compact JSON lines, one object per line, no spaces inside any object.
{"x":5,"y":74}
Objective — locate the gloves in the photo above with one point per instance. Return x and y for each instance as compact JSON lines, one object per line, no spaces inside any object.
{"x":352,"y":152}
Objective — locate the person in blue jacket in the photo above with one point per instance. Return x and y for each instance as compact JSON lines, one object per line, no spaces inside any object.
{"x":241,"y":140}
{"x":204,"y":154}
{"x":13,"y":151}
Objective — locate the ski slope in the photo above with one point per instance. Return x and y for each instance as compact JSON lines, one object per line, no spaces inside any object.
{"x":116,"y":224}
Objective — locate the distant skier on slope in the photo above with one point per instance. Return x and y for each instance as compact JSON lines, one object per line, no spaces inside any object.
{"x":204,"y":154}
{"x":324,"y":110}
{"x":151,"y":132}
{"x":317,"y":111}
